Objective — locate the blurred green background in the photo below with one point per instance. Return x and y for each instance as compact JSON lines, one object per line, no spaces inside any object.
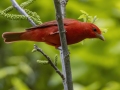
{"x":95,"y":64}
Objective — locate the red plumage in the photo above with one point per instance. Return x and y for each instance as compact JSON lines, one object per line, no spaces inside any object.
{"x":48,"y":32}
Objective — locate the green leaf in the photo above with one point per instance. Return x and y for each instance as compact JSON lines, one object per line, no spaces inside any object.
{"x":82,"y":11}
{"x":11,"y":70}
{"x":43,"y":62}
{"x":55,"y":59}
{"x":19,"y":84}
{"x":94,"y":19}
{"x":104,"y":30}
{"x":82,"y":16}
{"x":34,"y":50}
{"x":25,"y":68}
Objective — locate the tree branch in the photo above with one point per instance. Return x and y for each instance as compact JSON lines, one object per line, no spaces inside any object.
{"x":63,"y":5}
{"x":15,"y":4}
{"x":65,"y":59}
{"x":49,"y":61}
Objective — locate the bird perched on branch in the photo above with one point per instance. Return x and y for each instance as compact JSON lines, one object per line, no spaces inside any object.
{"x":47,"y":32}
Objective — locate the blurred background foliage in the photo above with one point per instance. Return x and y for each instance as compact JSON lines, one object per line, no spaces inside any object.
{"x":95,"y":64}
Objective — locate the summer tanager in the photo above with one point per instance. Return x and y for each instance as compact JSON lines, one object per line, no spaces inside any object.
{"x":48,"y":32}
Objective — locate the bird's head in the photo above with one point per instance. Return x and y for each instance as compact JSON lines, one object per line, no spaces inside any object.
{"x":93,"y":31}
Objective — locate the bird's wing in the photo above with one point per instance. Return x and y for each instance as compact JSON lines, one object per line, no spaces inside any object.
{"x":52,"y":23}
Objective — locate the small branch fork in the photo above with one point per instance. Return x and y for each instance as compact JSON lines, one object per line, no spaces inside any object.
{"x":49,"y":61}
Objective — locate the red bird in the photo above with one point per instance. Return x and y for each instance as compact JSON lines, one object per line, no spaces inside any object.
{"x":48,"y":32}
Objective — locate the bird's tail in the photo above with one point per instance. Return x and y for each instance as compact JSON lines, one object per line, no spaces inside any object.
{"x":11,"y":37}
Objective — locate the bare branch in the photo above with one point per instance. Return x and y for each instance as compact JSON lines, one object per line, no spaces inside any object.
{"x":65,"y":59}
{"x":49,"y":61}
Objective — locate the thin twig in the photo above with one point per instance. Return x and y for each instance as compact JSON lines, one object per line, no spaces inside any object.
{"x":23,"y":5}
{"x":49,"y":60}
{"x":22,"y":11}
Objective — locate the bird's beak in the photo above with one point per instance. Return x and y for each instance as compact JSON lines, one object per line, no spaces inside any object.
{"x":100,"y":36}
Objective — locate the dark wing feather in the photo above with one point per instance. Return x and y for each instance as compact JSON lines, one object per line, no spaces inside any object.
{"x":52,"y":23}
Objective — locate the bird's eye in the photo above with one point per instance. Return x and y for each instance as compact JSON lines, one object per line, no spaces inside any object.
{"x":94,"y":29}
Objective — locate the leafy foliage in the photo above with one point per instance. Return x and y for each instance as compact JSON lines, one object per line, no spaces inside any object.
{"x":33,"y":15}
{"x":86,"y":17}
